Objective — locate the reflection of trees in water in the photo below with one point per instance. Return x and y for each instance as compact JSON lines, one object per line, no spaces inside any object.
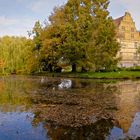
{"x":96,"y":99}
{"x":97,"y":131}
{"x":12,"y":93}
{"x":82,"y":105}
{"x":81,"y":112}
{"x":51,"y":83}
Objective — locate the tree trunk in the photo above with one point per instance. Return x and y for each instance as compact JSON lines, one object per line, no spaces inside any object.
{"x":83,"y":69}
{"x":50,"y":68}
{"x":73,"y":67}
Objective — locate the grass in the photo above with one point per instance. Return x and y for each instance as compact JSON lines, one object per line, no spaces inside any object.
{"x":98,"y":75}
{"x":125,"y":74}
{"x":112,"y":75}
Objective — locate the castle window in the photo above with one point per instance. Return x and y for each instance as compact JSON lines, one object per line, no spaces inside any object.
{"x":121,"y":54}
{"x":123,"y":45}
{"x":123,"y":28}
{"x":132,"y":29}
{"x":135,"y":44}
{"x":122,"y":36}
{"x":135,"y":56}
{"x":132,"y":35}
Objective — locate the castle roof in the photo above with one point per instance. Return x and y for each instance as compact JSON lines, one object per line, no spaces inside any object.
{"x":118,"y":21}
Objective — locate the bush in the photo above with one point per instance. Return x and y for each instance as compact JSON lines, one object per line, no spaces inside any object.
{"x":135,"y":68}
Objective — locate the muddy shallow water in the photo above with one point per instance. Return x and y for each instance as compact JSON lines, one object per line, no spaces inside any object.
{"x":42,"y":108}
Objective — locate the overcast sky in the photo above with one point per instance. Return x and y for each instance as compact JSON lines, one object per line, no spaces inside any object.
{"x":19,"y":16}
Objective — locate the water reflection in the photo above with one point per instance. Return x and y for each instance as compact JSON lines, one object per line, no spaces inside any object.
{"x":98,"y":131}
{"x":17,"y":126}
{"x":134,"y":130}
{"x":57,"y":109}
{"x":116,"y":134}
{"x":65,"y":83}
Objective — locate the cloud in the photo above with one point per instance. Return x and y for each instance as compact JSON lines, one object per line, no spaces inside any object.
{"x":38,"y":5}
{"x":4,"y":21}
{"x":45,"y":5}
{"x":12,"y":26}
{"x":18,"y":23}
{"x":29,"y":11}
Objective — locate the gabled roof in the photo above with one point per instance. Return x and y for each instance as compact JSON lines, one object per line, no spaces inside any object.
{"x":118,"y":21}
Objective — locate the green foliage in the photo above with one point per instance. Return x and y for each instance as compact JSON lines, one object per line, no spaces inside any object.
{"x":36,"y":33}
{"x":134,"y":68}
{"x":80,"y":33}
{"x":105,"y":45}
{"x":111,"y":75}
{"x":15,"y":52}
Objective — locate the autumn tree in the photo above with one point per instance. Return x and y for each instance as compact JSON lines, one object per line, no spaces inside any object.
{"x":68,"y":34}
{"x":52,"y":40}
{"x":81,"y":33}
{"x":104,"y":43}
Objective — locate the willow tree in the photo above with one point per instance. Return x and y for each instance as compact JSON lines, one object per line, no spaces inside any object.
{"x":14,"y":54}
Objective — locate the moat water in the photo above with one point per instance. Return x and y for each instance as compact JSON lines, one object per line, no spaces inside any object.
{"x":43,"y":108}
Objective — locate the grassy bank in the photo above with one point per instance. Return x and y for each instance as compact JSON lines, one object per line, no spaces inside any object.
{"x":98,"y":75}
{"x":92,"y":75}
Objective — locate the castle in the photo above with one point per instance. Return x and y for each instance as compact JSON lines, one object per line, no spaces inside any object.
{"x":129,"y":39}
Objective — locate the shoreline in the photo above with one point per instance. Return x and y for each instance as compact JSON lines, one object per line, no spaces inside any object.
{"x":120,"y":75}
{"x":95,"y":75}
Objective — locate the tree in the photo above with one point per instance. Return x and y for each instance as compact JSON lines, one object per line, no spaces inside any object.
{"x":82,"y":33}
{"x":67,"y":35}
{"x":105,"y":45}
{"x":14,"y":54}
{"x":36,"y":34}
{"x":51,"y":42}
{"x":37,"y":56}
{"x":76,"y":32}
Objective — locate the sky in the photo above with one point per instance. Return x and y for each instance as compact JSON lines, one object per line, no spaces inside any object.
{"x":18,"y":16}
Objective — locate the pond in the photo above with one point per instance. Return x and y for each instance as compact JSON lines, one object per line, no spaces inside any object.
{"x":43,"y":108}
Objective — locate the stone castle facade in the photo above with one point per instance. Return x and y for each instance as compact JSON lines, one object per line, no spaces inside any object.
{"x":129,"y":39}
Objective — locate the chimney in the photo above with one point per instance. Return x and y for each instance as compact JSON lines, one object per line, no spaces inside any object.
{"x":127,"y":14}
